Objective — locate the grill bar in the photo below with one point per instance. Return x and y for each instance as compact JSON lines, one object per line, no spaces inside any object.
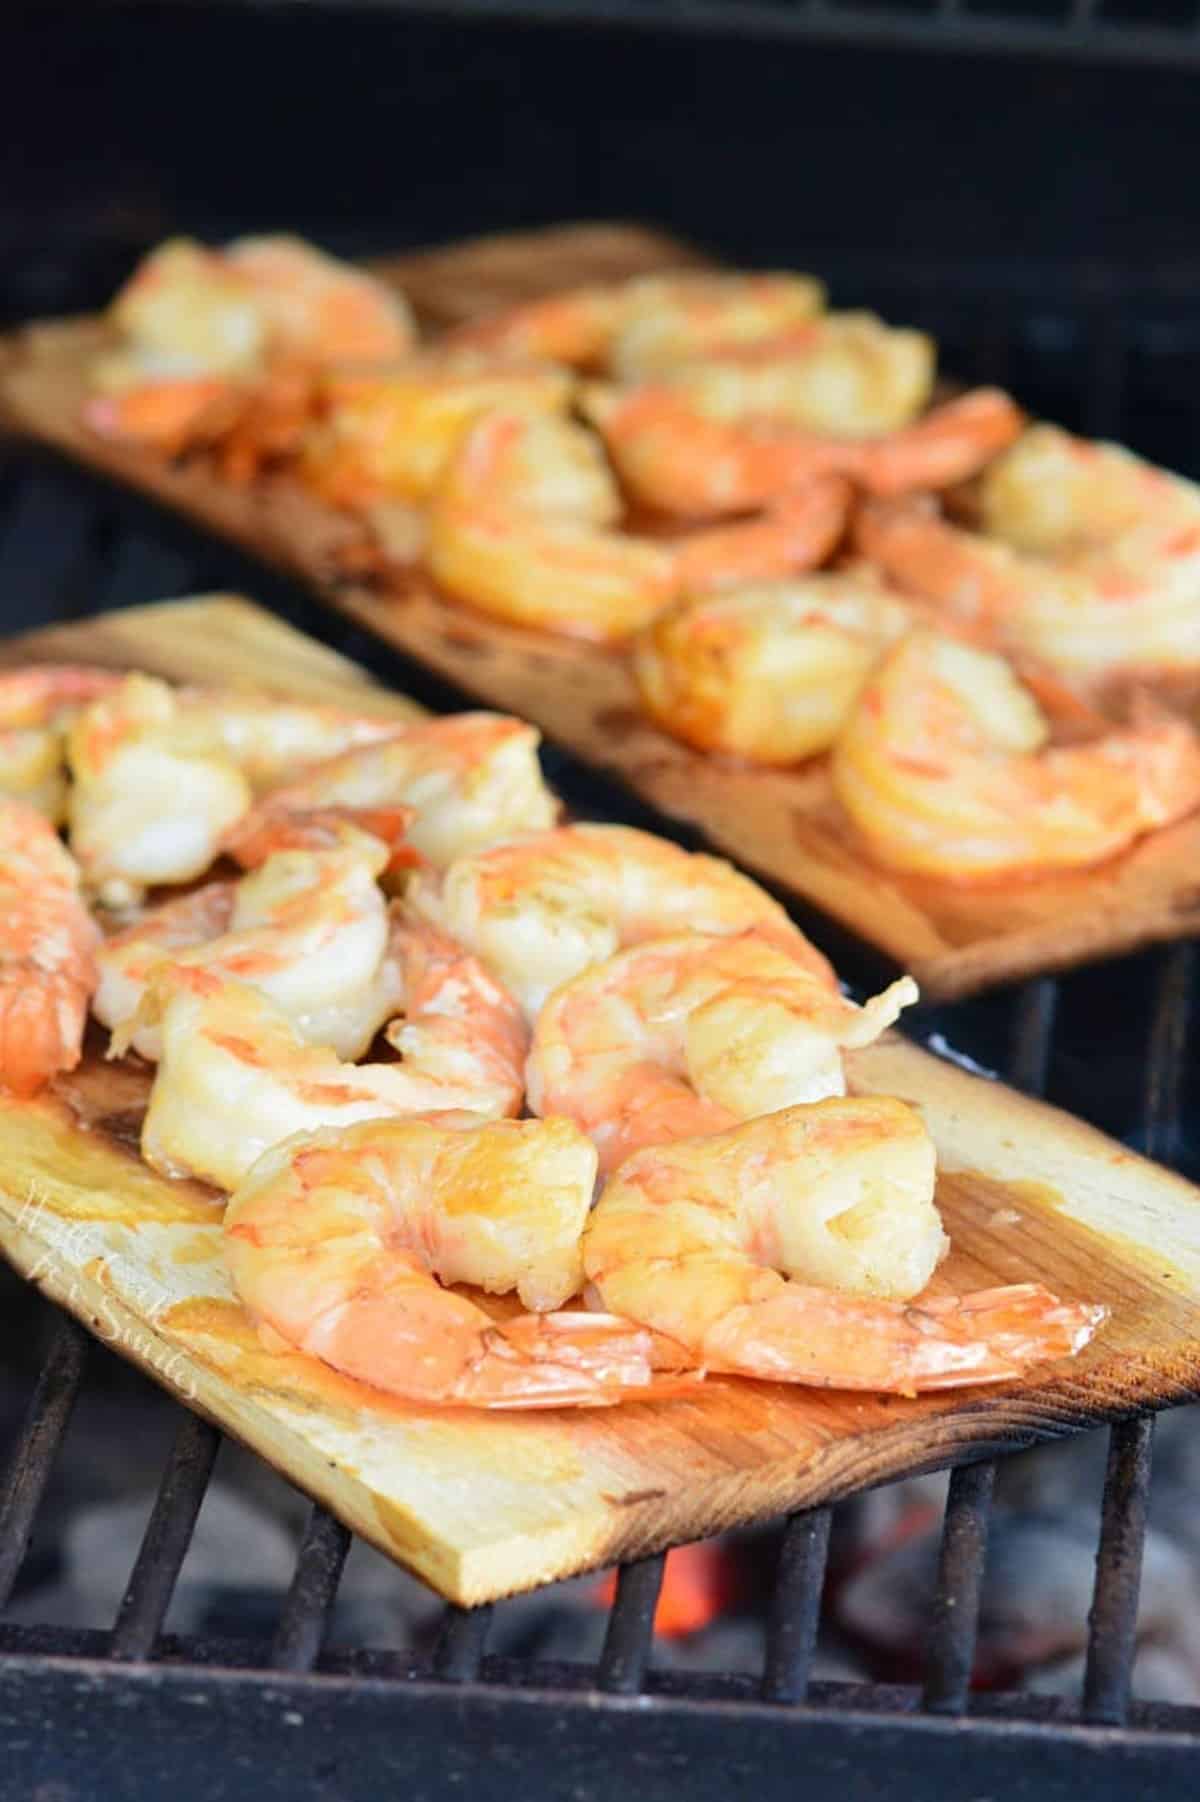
{"x":167,"y":1538}
{"x":622,"y":1667}
{"x":461,"y":1644}
{"x":951,"y":1652}
{"x":1078,"y":33}
{"x":796,"y":1606}
{"x":41,"y":1435}
{"x":305,"y":1618}
{"x":1033,"y":1035}
{"x":1112,"y":1623}
{"x":1163,"y":1108}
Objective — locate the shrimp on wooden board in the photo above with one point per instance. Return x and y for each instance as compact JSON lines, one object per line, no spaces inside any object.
{"x":521,"y":528}
{"x":1086,"y":558}
{"x":651,"y":320}
{"x":47,"y":952}
{"x":202,"y":334}
{"x":471,"y":779}
{"x":541,"y":909}
{"x":791,"y":1248}
{"x":339,"y":1245}
{"x":767,"y":672}
{"x":309,"y":928}
{"x":845,"y":373}
{"x":37,"y":704}
{"x":945,"y":770}
{"x":683,"y":1036}
{"x":671,"y":456}
{"x":389,"y":434}
{"x":235,"y":1077}
{"x":161,"y":775}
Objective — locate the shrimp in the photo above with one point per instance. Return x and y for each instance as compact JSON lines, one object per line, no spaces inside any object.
{"x":36,"y":707}
{"x":648,"y":321}
{"x":390,"y":434}
{"x":944,"y":768}
{"x":767,"y":672}
{"x":684,"y":1036}
{"x":846,"y":373}
{"x":161,"y":776}
{"x":534,"y":547}
{"x":790,"y":1248}
{"x":1087,"y":559}
{"x":47,"y":952}
{"x":672,"y":456}
{"x":309,"y":928}
{"x":542,"y":909}
{"x":471,"y":780}
{"x":200,"y":331}
{"x":339,"y":1243}
{"x":235,"y":1076}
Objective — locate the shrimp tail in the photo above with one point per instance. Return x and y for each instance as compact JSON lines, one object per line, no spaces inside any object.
{"x":839,"y":1341}
{"x":571,"y":1359}
{"x":879,"y":1012}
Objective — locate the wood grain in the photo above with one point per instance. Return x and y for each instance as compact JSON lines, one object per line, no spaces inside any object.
{"x":484,"y":1505}
{"x":784,"y":824}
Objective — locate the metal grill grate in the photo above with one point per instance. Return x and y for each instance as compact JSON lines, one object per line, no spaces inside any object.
{"x":1128,"y":31}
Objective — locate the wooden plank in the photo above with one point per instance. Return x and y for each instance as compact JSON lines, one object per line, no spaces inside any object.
{"x":785,"y":824}
{"x":482,"y":1505}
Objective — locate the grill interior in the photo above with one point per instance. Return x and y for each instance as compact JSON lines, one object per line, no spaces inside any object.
{"x":1084,"y":326}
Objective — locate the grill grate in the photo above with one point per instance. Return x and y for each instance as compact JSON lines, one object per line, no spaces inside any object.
{"x":1164,"y":32}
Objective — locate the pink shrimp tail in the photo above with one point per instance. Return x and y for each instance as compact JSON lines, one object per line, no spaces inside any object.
{"x":837,"y":1341}
{"x":571,"y":1360}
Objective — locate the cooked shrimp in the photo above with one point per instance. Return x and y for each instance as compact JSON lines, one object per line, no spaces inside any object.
{"x":160,"y":776}
{"x":845,"y":373}
{"x":471,"y":780}
{"x":390,"y":433}
{"x":944,"y":768}
{"x":37,"y":705}
{"x":1086,"y":559}
{"x":684,"y":1036}
{"x":309,"y":928}
{"x":235,"y":1076}
{"x":47,"y":952}
{"x":671,"y":456}
{"x":536,"y":551}
{"x":790,"y":1248}
{"x":646,"y":322}
{"x":768,"y":673}
{"x":339,"y":1244}
{"x":200,"y":328}
{"x":541,"y":909}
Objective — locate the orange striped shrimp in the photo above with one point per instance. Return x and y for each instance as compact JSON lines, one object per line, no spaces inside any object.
{"x":944,"y":768}
{"x":342,"y":1245}
{"x":521,"y":528}
{"x":682,"y":1036}
{"x":673,"y":457}
{"x":794,"y":1248}
{"x":47,"y":952}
